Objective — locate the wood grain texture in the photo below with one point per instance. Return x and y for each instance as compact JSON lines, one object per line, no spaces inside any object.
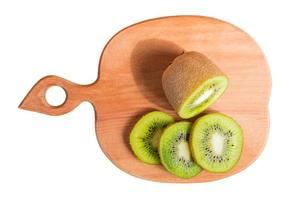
{"x":129,"y":85}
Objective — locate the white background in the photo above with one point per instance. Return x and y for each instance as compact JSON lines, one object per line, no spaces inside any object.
{"x":43,"y":157}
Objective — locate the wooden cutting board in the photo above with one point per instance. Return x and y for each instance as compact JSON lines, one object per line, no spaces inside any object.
{"x":129,"y":85}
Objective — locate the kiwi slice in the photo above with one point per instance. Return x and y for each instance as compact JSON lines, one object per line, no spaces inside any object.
{"x":174,"y":150}
{"x":216,"y":142}
{"x":192,"y":83}
{"x":145,"y":135}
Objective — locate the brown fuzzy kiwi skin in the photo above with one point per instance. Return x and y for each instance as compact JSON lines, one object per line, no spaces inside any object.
{"x":185,"y":74}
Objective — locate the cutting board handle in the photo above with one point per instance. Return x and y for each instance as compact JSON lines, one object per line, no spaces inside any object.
{"x":36,"y":101}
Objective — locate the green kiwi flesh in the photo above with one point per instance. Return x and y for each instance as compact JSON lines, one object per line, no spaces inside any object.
{"x":201,"y":98}
{"x":216,"y":142}
{"x":145,"y":136}
{"x":174,"y":150}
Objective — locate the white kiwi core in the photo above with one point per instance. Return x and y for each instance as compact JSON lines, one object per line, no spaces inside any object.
{"x":218,"y":143}
{"x":156,"y":137}
{"x":184,"y":150}
{"x":203,"y":97}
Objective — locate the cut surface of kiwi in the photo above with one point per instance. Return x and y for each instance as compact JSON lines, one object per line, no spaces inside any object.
{"x":192,"y":83}
{"x":145,"y":136}
{"x":216,"y":142}
{"x":175,"y":152}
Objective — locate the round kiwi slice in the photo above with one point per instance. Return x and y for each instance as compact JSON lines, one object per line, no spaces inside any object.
{"x":192,"y":83}
{"x":216,"y":142}
{"x":174,"y":150}
{"x":145,"y":135}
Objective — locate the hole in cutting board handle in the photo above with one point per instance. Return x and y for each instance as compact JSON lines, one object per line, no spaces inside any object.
{"x":55,"y":96}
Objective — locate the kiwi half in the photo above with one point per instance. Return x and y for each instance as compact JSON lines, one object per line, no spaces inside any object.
{"x":192,"y":83}
{"x":175,"y":152}
{"x":216,"y":142}
{"x":145,"y":136}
